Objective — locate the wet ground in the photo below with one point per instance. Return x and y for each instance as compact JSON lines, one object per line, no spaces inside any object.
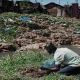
{"x":74,"y":48}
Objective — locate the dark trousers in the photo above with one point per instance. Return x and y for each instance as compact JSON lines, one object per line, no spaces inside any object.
{"x":69,"y":70}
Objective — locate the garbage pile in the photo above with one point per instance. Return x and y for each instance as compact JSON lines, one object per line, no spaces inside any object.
{"x":36,"y":30}
{"x":57,"y":34}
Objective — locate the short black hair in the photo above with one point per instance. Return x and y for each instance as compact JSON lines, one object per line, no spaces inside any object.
{"x":51,"y":48}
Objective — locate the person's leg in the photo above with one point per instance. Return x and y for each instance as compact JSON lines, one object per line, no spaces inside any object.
{"x":69,"y":70}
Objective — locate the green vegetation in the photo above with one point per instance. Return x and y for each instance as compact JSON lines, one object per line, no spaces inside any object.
{"x":9,"y":68}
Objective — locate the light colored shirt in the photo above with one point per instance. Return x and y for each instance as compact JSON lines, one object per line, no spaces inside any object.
{"x":66,"y":56}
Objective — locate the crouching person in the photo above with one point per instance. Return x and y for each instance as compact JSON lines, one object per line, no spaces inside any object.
{"x":66,"y":57}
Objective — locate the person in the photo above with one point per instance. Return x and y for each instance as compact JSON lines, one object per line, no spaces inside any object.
{"x":66,"y":57}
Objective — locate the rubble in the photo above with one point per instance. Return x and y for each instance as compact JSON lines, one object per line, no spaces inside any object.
{"x":42,"y":29}
{"x":58,"y":35}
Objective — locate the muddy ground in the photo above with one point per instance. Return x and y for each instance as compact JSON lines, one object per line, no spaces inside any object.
{"x":35,"y":72}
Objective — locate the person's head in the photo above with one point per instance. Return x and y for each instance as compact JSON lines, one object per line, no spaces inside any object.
{"x":50,"y":48}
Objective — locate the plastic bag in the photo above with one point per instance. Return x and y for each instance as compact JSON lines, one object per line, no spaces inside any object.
{"x":50,"y":63}
{"x":25,"y":18}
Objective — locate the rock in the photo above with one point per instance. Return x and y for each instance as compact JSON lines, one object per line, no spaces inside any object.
{"x":10,"y":20}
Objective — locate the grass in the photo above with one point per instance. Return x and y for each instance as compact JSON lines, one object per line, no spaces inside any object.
{"x":9,"y":66}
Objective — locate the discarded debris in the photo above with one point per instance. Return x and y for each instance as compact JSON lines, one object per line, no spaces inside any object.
{"x":25,"y":19}
{"x":32,"y":29}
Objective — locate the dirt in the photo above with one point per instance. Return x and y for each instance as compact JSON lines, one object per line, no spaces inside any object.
{"x":34,"y":72}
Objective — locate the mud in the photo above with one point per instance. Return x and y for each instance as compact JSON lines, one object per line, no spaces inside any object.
{"x":35,"y":72}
